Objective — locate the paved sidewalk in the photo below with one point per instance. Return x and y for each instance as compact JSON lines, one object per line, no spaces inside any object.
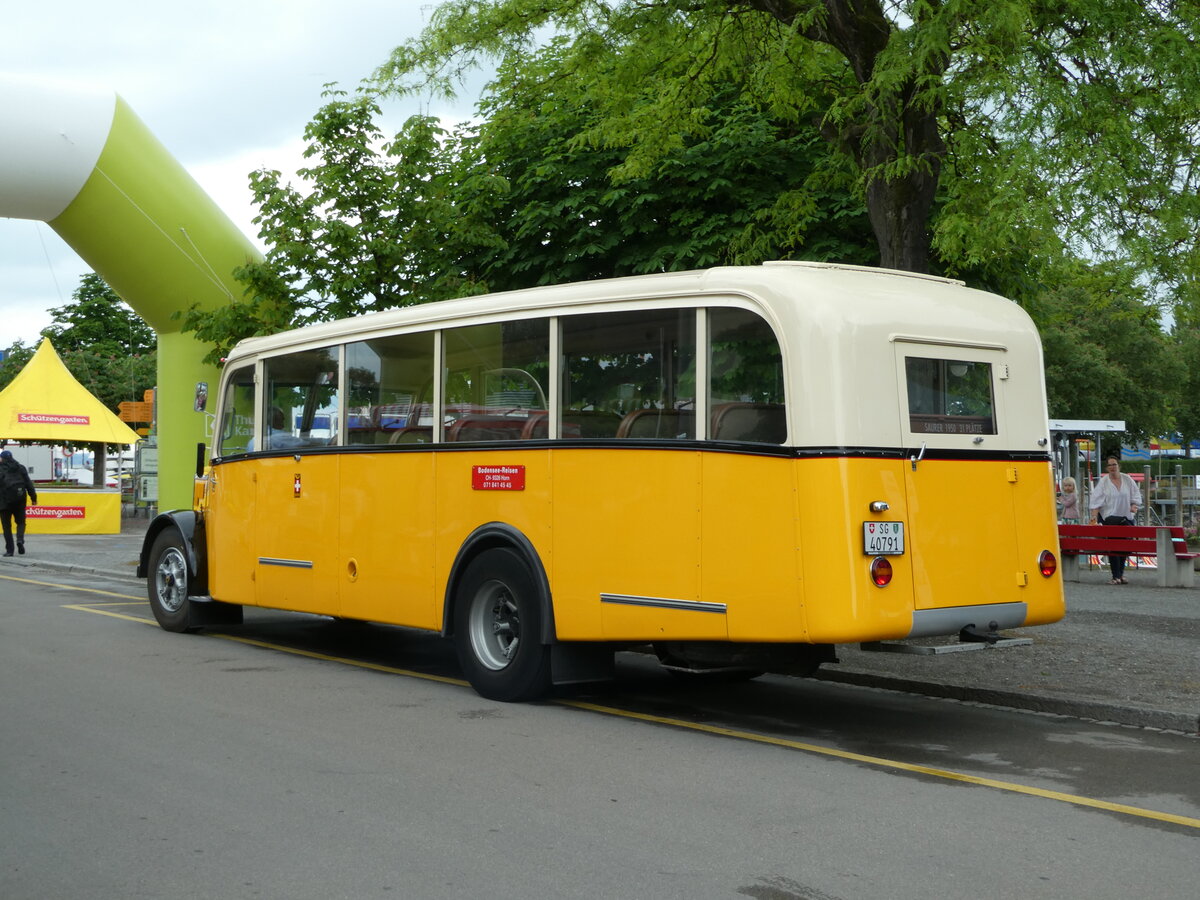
{"x":106,"y":555}
{"x":1127,"y":654}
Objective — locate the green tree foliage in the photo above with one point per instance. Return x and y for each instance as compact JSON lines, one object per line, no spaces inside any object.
{"x":1106,"y":354}
{"x":716,"y":197}
{"x":1074,"y":118}
{"x":517,"y":199}
{"x":98,"y":320}
{"x":15,"y":358}
{"x":1185,"y":345}
{"x":377,"y":225}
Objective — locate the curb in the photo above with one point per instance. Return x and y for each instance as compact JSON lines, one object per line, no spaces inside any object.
{"x":1101,"y":711}
{"x":72,"y":569}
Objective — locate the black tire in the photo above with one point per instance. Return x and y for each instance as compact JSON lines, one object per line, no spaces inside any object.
{"x":167,"y":582}
{"x":498,"y":628}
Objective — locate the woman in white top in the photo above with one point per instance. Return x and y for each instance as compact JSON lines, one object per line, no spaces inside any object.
{"x":1115,"y":500}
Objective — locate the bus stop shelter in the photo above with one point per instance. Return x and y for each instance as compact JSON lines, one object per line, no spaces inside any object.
{"x":45,"y":404}
{"x":1065,"y":433}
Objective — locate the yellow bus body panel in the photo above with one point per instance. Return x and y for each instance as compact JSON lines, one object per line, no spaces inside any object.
{"x":296,"y":533}
{"x":460,"y":509}
{"x":833,"y":497}
{"x":750,"y":546}
{"x":387,"y":525}
{"x":628,"y":524}
{"x":775,"y":541}
{"x":229,"y":520}
{"x":1036,"y":525}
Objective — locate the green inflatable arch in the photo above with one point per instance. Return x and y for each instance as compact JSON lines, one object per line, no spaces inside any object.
{"x":83,"y":162}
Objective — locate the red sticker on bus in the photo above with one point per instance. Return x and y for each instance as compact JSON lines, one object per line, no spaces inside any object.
{"x":498,"y":478}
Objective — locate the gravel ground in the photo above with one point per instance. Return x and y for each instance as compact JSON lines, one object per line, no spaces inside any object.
{"x":1128,"y":653}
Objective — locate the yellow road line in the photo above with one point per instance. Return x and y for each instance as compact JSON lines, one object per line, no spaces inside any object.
{"x":880,"y":762}
{"x":749,"y":736}
{"x":69,"y":587}
{"x":102,"y":611}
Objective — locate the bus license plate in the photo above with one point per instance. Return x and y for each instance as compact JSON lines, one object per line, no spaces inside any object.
{"x":883,"y":538}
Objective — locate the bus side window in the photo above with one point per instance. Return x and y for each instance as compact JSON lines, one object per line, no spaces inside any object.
{"x":302,"y":399}
{"x":496,"y":380}
{"x":386,"y":380}
{"x":237,"y":413}
{"x":746,"y":401}
{"x":629,"y":375}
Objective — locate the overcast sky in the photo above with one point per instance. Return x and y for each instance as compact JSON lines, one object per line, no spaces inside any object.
{"x":226,"y":85}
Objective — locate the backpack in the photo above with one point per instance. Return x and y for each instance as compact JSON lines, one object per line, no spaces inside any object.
{"x":12,"y":486}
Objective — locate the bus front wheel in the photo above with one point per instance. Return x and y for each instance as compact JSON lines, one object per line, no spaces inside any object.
{"x":167,"y":583}
{"x":498,"y":627}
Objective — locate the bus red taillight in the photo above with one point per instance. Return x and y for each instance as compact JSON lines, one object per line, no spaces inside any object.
{"x":1047,"y":563}
{"x":881,"y":571}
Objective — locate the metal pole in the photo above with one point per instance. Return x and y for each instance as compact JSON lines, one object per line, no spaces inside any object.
{"x":1179,"y":495}
{"x":1145,"y":494}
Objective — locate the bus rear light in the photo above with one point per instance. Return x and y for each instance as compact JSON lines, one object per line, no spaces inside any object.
{"x":881,"y":571}
{"x":1047,"y":563}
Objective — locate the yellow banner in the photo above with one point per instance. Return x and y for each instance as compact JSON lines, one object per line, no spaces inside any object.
{"x":74,"y":512}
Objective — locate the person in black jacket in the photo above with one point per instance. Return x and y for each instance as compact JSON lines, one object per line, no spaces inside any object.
{"x":14,"y":485}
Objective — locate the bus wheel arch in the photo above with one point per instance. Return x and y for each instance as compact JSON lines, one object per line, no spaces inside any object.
{"x":498,"y":535}
{"x":174,"y":563}
{"x":498,"y":626}
{"x":184,"y":524}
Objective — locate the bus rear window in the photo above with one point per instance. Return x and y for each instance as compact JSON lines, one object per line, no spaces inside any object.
{"x":949,"y":396}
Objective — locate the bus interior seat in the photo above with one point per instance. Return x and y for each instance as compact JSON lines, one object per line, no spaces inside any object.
{"x":486,"y":428}
{"x":761,"y":423}
{"x":660,"y":424}
{"x":581,"y":424}
{"x":537,"y":426}
{"x":417,"y":434}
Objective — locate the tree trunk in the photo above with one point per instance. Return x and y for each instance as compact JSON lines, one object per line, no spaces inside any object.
{"x":899,"y":208}
{"x":895,"y":127}
{"x":99,"y":465}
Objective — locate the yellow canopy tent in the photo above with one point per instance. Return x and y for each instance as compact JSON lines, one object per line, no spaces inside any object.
{"x":45,"y":403}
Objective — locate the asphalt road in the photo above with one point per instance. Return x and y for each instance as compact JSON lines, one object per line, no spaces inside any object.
{"x":296,"y":758}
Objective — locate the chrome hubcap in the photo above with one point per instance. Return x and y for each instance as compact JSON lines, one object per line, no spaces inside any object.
{"x":495,"y":626}
{"x":170,"y":580}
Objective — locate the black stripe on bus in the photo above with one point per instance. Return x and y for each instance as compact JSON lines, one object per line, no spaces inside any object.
{"x":738,"y":447}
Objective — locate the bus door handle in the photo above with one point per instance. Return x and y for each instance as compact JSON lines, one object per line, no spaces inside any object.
{"x":918,"y":457}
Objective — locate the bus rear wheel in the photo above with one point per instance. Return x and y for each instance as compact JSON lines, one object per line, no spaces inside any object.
{"x":498,"y":628}
{"x":167,"y":584}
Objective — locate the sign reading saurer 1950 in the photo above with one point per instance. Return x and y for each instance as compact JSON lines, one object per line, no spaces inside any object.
{"x":498,"y":478}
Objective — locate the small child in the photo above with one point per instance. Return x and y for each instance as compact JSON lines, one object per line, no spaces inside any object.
{"x":1070,"y":503}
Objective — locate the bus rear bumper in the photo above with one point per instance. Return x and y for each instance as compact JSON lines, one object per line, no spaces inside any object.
{"x":953,"y":619}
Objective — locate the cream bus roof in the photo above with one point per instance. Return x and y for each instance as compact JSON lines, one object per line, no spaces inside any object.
{"x":817,"y":292}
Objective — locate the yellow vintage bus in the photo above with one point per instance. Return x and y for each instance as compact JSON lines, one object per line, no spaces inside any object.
{"x":742,"y":467}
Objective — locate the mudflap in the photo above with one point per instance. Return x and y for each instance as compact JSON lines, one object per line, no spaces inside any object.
{"x":577,"y":663}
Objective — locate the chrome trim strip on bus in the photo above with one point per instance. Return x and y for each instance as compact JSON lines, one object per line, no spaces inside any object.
{"x":946,"y":342}
{"x":664,"y":603}
{"x":952,"y":619}
{"x":287,"y":563}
